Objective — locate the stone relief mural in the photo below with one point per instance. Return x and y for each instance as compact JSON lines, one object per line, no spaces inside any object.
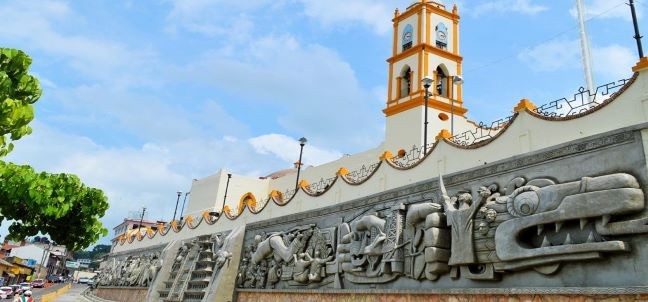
{"x":300,"y":257}
{"x":482,"y":233}
{"x":195,"y":265}
{"x":138,"y":271}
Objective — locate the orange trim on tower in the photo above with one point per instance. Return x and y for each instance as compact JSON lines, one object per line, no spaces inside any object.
{"x":433,"y":102}
{"x":390,"y":77}
{"x":419,"y":84}
{"x":426,"y":64}
{"x":417,"y":7}
{"x":395,"y":47}
{"x":419,"y":34}
{"x":426,"y":47}
{"x":427,"y":26}
{"x":455,"y":38}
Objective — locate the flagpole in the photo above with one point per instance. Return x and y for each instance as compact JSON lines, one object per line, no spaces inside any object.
{"x":585,"y":49}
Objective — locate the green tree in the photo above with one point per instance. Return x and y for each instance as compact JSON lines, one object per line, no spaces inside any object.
{"x":55,"y":204}
{"x":18,"y":91}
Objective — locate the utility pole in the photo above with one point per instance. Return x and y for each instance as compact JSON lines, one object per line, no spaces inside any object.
{"x":43,"y":261}
{"x":637,"y":36}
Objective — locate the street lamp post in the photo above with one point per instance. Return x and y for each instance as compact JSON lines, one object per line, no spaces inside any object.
{"x":455,"y":80}
{"x":176,"y":207}
{"x":302,"y":142}
{"x":139,"y":227}
{"x":427,"y":82}
{"x":183,"y":204}
{"x":229,"y":176}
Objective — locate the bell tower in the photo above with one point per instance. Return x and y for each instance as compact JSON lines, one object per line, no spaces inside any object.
{"x":425,"y":44}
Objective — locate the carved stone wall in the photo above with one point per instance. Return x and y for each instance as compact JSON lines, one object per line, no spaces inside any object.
{"x":195,"y":264}
{"x":572,"y":216}
{"x":137,"y":268}
{"x":368,"y":297}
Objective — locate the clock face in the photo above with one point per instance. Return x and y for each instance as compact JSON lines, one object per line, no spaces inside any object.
{"x":441,"y":36}
{"x":407,"y":37}
{"x":408,"y":32}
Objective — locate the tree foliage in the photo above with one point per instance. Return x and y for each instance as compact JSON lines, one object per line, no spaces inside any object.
{"x":55,"y":204}
{"x":18,"y":91}
{"x":97,"y":251}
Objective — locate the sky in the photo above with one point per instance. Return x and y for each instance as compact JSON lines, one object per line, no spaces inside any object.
{"x":141,"y":97}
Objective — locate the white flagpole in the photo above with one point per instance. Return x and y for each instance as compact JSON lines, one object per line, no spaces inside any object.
{"x":585,"y":49}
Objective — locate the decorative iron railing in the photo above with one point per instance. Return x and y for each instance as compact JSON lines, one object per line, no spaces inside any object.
{"x":360,"y":175}
{"x":481,"y":133}
{"x":321,"y":186}
{"x":583,"y":101}
{"x":405,"y":159}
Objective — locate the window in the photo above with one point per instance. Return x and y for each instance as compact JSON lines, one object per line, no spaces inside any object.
{"x":405,"y":81}
{"x":408,"y":34}
{"x":442,"y":81}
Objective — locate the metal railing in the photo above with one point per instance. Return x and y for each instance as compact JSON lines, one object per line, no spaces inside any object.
{"x":582,"y":102}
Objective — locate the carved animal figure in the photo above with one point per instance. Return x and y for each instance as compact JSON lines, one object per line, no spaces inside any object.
{"x":542,"y":203}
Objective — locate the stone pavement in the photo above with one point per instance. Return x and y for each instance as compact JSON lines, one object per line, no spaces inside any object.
{"x":75,"y":294}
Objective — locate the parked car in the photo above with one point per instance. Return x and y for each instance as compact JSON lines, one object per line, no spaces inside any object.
{"x":25,"y":286}
{"x":83,"y":280}
{"x":55,"y":279}
{"x":6,"y":292}
{"x":38,"y":283}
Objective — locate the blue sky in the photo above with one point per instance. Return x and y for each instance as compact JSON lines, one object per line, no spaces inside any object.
{"x":140,"y":97}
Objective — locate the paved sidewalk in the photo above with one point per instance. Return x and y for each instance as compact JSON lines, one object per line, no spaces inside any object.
{"x":73,"y":295}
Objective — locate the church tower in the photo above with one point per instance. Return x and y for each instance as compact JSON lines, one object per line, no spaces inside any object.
{"x":425,"y":44}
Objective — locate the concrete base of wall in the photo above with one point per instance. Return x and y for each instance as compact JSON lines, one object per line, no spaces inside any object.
{"x":53,"y":295}
{"x":123,"y":294}
{"x":368,"y":297}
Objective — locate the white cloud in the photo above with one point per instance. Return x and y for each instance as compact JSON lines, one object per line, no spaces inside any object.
{"x":613,"y":62}
{"x":609,"y":63}
{"x":121,"y":112}
{"x":526,"y":7}
{"x":212,"y":18}
{"x":315,"y":92}
{"x":287,"y":149}
{"x":334,"y":12}
{"x":552,"y":55}
{"x":608,"y":9}
{"x":33,"y":24}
